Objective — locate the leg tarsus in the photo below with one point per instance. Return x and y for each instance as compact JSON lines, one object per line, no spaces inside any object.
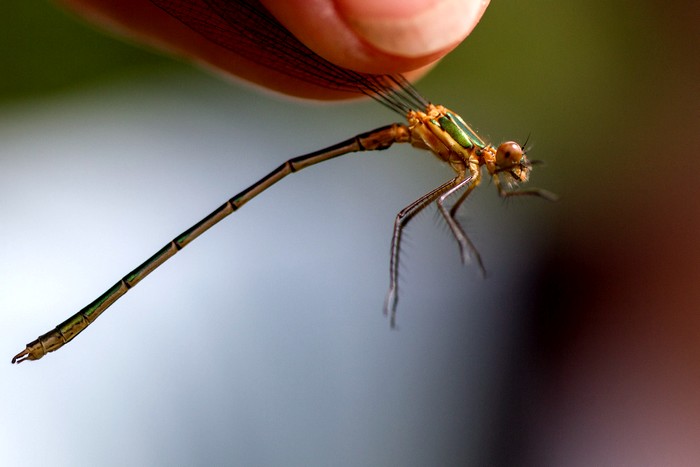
{"x":390,"y":303}
{"x":538,"y":192}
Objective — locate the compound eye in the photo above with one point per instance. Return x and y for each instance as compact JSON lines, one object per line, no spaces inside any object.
{"x":508,"y":154}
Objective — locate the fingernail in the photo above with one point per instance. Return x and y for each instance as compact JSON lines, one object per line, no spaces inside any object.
{"x":412,"y":28}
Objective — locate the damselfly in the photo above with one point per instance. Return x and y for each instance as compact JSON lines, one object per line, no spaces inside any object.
{"x":247,"y":29}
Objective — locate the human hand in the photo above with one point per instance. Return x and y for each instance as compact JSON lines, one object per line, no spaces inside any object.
{"x":388,"y":36}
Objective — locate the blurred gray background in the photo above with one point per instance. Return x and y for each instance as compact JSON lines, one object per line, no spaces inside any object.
{"x":263,"y":343}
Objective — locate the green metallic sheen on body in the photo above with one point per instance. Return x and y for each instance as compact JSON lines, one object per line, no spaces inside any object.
{"x":456,"y":132}
{"x":89,"y":310}
{"x":138,"y":273}
{"x":471,"y":134}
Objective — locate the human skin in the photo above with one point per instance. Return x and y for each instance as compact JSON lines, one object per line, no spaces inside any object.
{"x":391,"y":36}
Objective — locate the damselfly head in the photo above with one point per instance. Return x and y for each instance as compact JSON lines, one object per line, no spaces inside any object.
{"x":509,"y":154}
{"x":511,"y":159}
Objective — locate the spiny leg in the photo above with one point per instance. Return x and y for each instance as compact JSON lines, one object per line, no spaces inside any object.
{"x":455,"y":207}
{"x":402,"y":219}
{"x":466,"y":247}
{"x":503,"y":193}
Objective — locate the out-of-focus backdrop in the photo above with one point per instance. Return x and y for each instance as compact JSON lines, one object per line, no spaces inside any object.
{"x":263,"y":343}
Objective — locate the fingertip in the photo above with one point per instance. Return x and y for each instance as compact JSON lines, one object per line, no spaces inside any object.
{"x":379,"y":36}
{"x":412,"y":28}
{"x":317,"y":23}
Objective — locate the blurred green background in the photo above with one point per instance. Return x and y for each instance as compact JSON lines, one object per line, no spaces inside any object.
{"x":47,"y":50}
{"x":581,"y":348}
